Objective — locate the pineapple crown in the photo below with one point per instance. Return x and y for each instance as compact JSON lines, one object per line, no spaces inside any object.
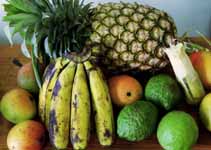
{"x":55,"y":26}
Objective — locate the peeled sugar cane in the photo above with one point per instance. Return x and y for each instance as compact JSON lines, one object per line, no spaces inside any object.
{"x":185,"y":73}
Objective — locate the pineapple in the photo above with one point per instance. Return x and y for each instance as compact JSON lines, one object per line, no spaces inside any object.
{"x":121,"y":36}
{"x":131,"y":36}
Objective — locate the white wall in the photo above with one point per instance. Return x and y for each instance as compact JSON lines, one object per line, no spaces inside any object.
{"x":3,"y":38}
{"x":189,"y":15}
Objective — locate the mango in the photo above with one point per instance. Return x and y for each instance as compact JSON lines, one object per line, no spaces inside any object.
{"x":28,"y":135}
{"x":124,"y":90}
{"x":26,"y":78}
{"x":202,"y":63}
{"x":18,"y":105}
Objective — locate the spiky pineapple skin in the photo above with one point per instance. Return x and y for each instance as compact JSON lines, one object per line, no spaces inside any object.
{"x":128,"y":36}
{"x":122,"y":36}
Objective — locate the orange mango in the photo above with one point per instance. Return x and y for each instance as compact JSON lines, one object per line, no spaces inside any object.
{"x":202,"y":63}
{"x":28,"y":135}
{"x":26,"y":78}
{"x":18,"y":105}
{"x":124,"y":90}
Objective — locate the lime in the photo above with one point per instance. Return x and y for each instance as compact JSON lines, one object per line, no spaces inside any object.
{"x":163,"y":91}
{"x":177,"y":131}
{"x":137,"y":121}
{"x":205,"y":111}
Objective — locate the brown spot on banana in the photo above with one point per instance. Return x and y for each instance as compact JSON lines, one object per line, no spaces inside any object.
{"x":49,"y":71}
{"x":75,"y":139}
{"x":53,"y":126}
{"x":57,"y":87}
{"x":107,"y":133}
{"x":42,"y":95}
{"x":75,"y":101}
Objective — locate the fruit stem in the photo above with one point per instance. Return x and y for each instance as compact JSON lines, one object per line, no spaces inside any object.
{"x":16,"y":62}
{"x":81,"y":57}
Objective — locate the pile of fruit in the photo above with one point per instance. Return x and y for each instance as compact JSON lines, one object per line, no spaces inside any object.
{"x":102,"y":66}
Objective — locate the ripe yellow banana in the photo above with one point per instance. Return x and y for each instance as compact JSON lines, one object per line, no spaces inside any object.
{"x":107,"y":91}
{"x":80,"y":110}
{"x":59,"y":119}
{"x":102,"y":105}
{"x":46,"y":94}
{"x":49,"y":72}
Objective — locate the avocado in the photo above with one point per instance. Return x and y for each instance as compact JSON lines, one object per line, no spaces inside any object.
{"x":163,"y":91}
{"x":137,"y":121}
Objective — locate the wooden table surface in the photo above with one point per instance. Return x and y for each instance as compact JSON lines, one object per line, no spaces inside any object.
{"x":8,"y":72}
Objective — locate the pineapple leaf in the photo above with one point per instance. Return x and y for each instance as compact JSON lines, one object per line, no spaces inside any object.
{"x":76,"y":9}
{"x":52,"y":33}
{"x":86,"y":9}
{"x":10,"y":9}
{"x":23,"y":24}
{"x":35,"y":46}
{"x":19,"y":17}
{"x":25,"y":50}
{"x":55,"y":54}
{"x":81,"y":3}
{"x":60,"y":52}
{"x":53,"y":2}
{"x":48,"y":50}
{"x":46,"y":4}
{"x":58,"y":25}
{"x":25,"y":6}
{"x":19,"y":27}
{"x":29,"y":34}
{"x":23,"y":33}
{"x":35,"y":65}
{"x":42,"y":34}
{"x":70,"y":13}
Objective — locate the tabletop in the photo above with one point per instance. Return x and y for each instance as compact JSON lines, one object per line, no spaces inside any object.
{"x":8,"y":72}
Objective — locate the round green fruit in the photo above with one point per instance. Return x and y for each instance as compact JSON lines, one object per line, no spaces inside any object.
{"x":204,"y":111}
{"x":18,"y":105}
{"x":177,"y":131}
{"x":163,"y":91}
{"x":137,"y":121}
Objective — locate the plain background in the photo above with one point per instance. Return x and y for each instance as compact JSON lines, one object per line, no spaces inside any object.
{"x":189,"y":15}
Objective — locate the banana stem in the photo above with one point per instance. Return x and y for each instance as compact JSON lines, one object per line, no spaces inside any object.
{"x":81,"y":57}
{"x":35,"y":65}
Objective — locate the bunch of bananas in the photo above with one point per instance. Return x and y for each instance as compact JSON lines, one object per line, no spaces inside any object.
{"x":65,"y":100}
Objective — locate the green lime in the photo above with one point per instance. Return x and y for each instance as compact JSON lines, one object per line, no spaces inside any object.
{"x":177,"y":131}
{"x":163,"y":91}
{"x":205,"y":111}
{"x":137,"y":121}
